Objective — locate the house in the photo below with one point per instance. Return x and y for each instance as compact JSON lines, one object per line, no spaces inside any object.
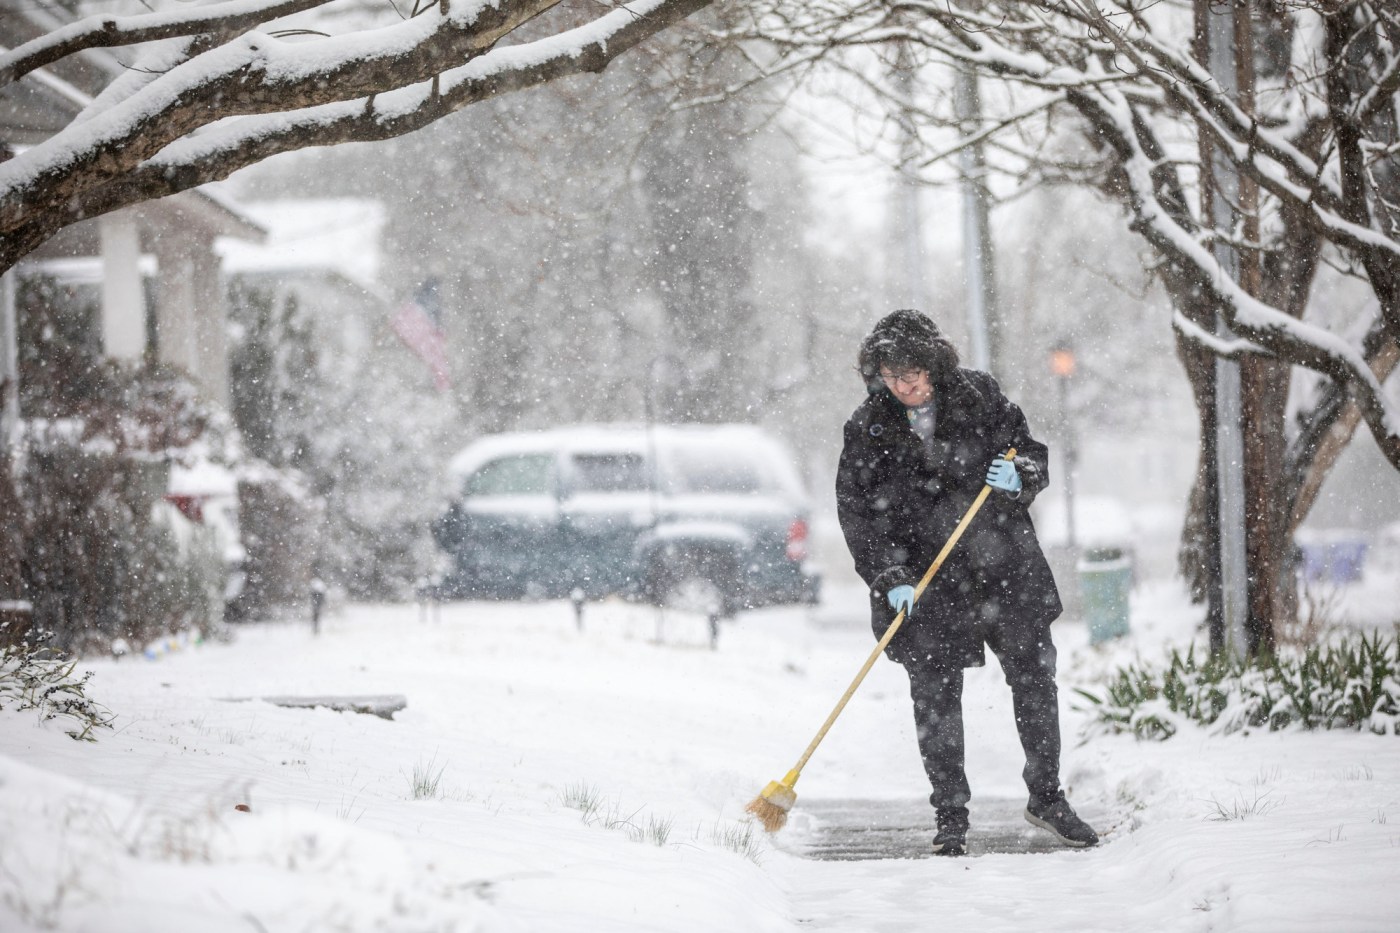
{"x":153,"y":265}
{"x":154,"y":276}
{"x":324,"y":254}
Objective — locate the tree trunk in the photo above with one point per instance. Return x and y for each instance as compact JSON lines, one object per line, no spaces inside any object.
{"x":14,"y":607}
{"x":1285,"y":279}
{"x":702,"y":265}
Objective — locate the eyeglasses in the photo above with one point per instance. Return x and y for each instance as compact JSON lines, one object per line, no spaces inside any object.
{"x":908,"y":378}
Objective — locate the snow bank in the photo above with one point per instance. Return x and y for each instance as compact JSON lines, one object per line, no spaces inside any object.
{"x":511,"y":707}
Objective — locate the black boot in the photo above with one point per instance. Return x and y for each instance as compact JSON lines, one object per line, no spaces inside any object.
{"x":1059,"y":817}
{"x":952,"y":832}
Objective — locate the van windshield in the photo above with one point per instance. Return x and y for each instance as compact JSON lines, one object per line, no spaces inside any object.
{"x":693,"y":468}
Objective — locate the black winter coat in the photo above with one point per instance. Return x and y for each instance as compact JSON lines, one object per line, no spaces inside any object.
{"x":898,"y":502}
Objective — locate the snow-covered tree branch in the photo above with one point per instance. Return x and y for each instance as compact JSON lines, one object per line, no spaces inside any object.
{"x":1317,"y":141}
{"x":1246,"y":175}
{"x":209,"y":94}
{"x":94,"y":32}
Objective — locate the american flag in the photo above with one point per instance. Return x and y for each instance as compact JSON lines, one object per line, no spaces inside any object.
{"x":418,"y":322}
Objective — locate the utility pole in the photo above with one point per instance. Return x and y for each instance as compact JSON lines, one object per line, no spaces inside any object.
{"x":1217,"y":26}
{"x":913,"y":286}
{"x":9,"y":351}
{"x":976,"y":226}
{"x":9,"y":366}
{"x":1062,"y":366}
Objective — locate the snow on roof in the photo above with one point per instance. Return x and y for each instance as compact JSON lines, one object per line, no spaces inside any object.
{"x":744,"y":440}
{"x":312,"y":234}
{"x":80,"y":270}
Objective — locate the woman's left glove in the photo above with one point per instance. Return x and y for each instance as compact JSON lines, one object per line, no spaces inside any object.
{"x":902,"y":600}
{"x":1002,"y":475}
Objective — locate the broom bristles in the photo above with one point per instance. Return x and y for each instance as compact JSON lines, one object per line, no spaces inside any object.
{"x":772,"y":816}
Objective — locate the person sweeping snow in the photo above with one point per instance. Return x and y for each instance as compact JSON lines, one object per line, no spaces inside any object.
{"x":927,"y":439}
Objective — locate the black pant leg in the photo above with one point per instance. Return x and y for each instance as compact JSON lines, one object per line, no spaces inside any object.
{"x":937,"y":695}
{"x":1028,"y":661}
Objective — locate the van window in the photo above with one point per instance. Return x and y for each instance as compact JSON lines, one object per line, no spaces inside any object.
{"x":693,"y":468}
{"x":609,"y":473}
{"x":521,"y":475}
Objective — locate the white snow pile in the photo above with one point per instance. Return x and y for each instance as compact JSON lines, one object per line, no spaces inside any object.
{"x":548,"y":778}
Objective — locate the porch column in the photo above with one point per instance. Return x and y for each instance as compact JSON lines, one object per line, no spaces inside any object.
{"x":176,"y":329}
{"x":123,"y":299}
{"x":207,"y":295}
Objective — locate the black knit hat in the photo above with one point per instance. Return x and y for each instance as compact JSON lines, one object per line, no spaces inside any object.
{"x":904,"y":340}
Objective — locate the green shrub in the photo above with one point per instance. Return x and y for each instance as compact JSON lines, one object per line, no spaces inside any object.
{"x":1350,"y":683}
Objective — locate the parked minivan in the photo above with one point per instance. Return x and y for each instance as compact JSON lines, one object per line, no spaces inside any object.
{"x":707,"y":517}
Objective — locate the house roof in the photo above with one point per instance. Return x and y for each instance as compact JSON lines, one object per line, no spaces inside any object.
{"x":340,"y":235}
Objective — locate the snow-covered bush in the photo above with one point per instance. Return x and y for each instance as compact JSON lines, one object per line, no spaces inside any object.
{"x":96,"y":561}
{"x":347,"y":444}
{"x":279,"y":521}
{"x":30,"y":680}
{"x":1350,"y":683}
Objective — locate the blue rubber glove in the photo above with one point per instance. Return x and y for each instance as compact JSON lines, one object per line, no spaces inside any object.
{"x":1003,"y":476}
{"x":902,"y":597}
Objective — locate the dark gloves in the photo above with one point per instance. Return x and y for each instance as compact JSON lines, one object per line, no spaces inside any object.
{"x":1031,"y":475}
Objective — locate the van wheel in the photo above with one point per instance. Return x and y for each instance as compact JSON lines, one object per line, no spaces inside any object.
{"x":696,"y":594}
{"x":693,"y":581}
{"x":693,"y":592}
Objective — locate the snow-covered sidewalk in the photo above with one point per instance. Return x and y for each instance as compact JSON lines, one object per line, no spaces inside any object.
{"x":547,"y":779}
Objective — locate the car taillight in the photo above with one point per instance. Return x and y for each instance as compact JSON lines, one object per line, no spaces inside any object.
{"x":797,"y":540}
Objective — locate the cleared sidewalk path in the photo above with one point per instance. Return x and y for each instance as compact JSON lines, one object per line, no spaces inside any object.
{"x":858,"y":830}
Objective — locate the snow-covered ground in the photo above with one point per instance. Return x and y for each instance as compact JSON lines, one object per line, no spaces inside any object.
{"x":522,"y":719}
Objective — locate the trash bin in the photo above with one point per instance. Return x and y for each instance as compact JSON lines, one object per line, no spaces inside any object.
{"x":1105,"y":578}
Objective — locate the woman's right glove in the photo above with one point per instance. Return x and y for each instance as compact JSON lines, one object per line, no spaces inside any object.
{"x":902,"y":599}
{"x":1002,"y":475}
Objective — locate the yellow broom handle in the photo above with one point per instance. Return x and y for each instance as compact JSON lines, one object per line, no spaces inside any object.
{"x":894,"y":627}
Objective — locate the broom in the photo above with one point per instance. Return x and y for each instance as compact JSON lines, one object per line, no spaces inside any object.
{"x":771,"y":806}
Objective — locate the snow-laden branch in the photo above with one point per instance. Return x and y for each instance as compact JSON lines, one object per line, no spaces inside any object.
{"x":113,"y":31}
{"x":1272,"y":161}
{"x":1288,"y":338}
{"x":1382,"y":93}
{"x":189,"y":160}
{"x":1100,"y":50}
{"x":254,"y":73}
{"x":1227,"y":347}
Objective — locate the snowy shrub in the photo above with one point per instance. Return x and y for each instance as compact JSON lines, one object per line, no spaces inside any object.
{"x":279,"y":523}
{"x":739,"y":838}
{"x":28,"y":680}
{"x":610,"y":814}
{"x":98,"y":563}
{"x":348,"y":446}
{"x":14,"y":610}
{"x":1350,"y":683}
{"x":95,"y":560}
{"x":426,"y":780}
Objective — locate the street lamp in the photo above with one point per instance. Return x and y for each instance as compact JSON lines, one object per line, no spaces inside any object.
{"x":1062,"y":366}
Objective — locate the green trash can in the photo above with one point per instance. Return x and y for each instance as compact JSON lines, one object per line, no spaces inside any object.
{"x":1105,"y":579}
